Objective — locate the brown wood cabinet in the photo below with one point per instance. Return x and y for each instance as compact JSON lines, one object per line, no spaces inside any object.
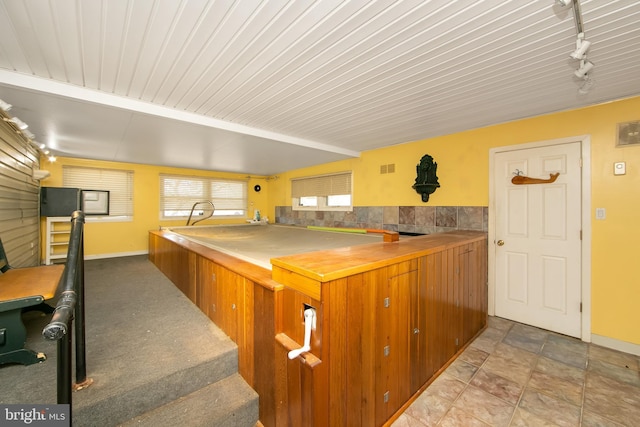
{"x":387,"y":323}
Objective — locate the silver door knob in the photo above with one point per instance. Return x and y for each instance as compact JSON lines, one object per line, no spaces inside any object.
{"x":500,"y":242}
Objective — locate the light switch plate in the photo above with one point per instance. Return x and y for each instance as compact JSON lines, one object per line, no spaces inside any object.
{"x":601,"y":213}
{"x":619,"y":168}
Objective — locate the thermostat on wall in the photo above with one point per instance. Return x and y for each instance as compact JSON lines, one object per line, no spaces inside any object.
{"x":619,"y":168}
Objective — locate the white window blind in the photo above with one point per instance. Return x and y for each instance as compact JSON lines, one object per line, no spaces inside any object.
{"x":324,"y":185}
{"x":322,"y":192}
{"x":178,"y":194}
{"x":119,"y":183}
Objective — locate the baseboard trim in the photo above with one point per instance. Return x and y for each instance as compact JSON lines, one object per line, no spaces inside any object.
{"x":115,"y":255}
{"x":614,"y":344}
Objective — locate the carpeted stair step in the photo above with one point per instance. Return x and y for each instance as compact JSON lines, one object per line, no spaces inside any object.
{"x":114,"y":405}
{"x":229,"y":402}
{"x":148,"y":346}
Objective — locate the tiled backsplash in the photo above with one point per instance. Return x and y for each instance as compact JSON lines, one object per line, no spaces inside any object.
{"x":413,"y":219}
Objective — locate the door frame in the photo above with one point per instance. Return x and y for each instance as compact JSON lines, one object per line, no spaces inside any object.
{"x":585,"y":213}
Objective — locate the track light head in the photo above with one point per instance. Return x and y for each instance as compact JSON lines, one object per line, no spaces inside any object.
{"x":19,"y":123}
{"x":582,"y":46}
{"x":585,"y":67}
{"x":4,"y":106}
{"x":586,"y":86}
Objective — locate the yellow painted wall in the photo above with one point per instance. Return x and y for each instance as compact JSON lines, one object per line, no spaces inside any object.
{"x":463,"y":172}
{"x":107,"y":238}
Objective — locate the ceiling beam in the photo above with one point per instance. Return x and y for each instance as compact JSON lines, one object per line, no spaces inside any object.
{"x":111,"y":100}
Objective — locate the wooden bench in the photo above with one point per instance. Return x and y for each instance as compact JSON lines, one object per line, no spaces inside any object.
{"x":21,"y":288}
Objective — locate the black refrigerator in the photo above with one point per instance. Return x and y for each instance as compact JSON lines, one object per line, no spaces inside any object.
{"x":59,"y":201}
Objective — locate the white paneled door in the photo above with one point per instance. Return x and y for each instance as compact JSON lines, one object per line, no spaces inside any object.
{"x":537,"y":237}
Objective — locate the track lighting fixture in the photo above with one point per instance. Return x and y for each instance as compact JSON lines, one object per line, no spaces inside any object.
{"x":4,"y":106}
{"x":586,"y":86}
{"x":19,"y":123}
{"x":22,"y":130}
{"x":585,"y":67}
{"x":582,"y":46}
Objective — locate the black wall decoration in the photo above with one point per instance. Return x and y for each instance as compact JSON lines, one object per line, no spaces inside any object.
{"x":427,"y":180}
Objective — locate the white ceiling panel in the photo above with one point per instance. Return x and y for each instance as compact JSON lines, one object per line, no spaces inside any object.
{"x":261,"y":87}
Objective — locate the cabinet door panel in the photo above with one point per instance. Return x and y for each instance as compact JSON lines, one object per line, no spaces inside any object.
{"x":420,"y":369}
{"x":394,"y":331}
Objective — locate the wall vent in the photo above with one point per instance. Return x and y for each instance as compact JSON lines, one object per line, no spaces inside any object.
{"x":390,"y":168}
{"x":628,"y":134}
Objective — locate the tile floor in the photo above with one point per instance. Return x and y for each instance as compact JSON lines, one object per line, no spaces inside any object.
{"x":518,"y":375}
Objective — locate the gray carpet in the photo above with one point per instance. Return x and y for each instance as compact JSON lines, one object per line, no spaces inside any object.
{"x":147,"y":344}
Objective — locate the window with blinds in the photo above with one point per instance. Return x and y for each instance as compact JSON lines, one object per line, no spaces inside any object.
{"x":119,"y":183}
{"x":323,"y":192}
{"x":178,"y":194}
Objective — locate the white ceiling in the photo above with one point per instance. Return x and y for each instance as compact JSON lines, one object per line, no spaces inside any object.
{"x":262,"y":87}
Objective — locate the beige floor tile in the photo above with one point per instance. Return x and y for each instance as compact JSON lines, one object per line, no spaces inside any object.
{"x":561,"y":371}
{"x":502,"y":388}
{"x":474,"y":356}
{"x":446,"y":387}
{"x":405,"y":420}
{"x":550,"y":409}
{"x":461,"y":370}
{"x":500,"y":323}
{"x":556,"y":387}
{"x":516,"y":354}
{"x":513,"y":370}
{"x":625,"y":375}
{"x":522,"y":418}
{"x":618,"y":358}
{"x":589,"y":419}
{"x":612,"y":399}
{"x":485,"y":406}
{"x":457,"y":418}
{"x":487,"y":345}
{"x":428,"y":409}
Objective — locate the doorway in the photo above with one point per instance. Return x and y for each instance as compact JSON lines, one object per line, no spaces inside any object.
{"x":540,"y":234}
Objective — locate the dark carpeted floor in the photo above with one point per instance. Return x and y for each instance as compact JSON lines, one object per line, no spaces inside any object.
{"x":139,"y":328}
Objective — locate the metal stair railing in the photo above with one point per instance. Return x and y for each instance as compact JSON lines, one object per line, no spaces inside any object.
{"x":70,"y":307}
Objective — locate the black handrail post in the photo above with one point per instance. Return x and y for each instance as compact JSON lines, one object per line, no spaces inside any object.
{"x":58,"y":329}
{"x":64,"y":370}
{"x":81,"y":360}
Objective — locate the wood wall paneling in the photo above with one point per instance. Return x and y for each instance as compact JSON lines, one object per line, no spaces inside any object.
{"x":243,"y":309}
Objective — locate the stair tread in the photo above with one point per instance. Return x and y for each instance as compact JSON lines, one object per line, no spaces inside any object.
{"x":228,"y":402}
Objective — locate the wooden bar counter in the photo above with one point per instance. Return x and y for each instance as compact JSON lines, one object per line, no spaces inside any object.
{"x":389,"y":317}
